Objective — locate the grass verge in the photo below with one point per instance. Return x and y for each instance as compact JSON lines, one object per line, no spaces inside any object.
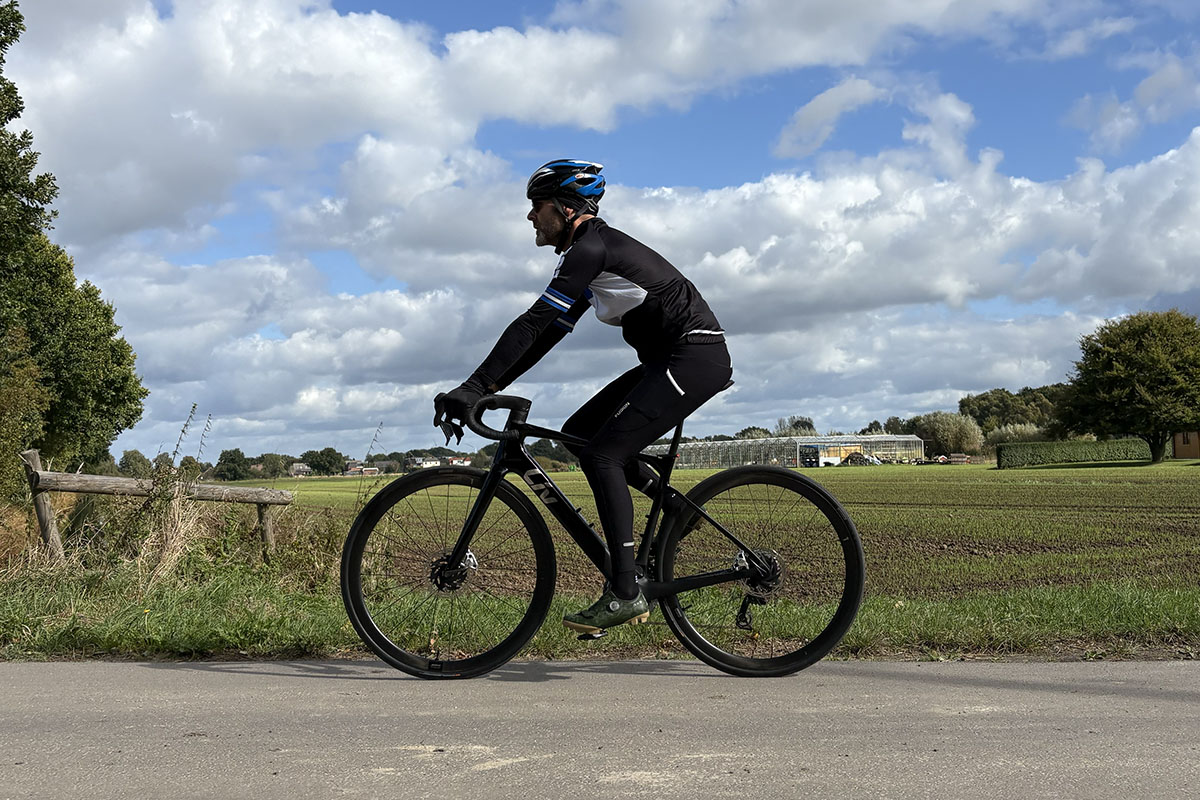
{"x":253,"y":613}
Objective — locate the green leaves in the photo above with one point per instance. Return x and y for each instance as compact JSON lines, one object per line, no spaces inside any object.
{"x":232,"y":466}
{"x":947,"y":433}
{"x":1137,"y":376}
{"x":24,"y":197}
{"x":997,"y":407}
{"x":86,"y":366}
{"x":325,"y":462}
{"x":23,"y":404}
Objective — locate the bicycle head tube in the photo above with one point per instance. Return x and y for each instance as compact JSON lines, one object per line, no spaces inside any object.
{"x":518,"y":408}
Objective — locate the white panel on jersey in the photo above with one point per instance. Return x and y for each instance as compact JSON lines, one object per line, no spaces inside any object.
{"x":613,"y":295}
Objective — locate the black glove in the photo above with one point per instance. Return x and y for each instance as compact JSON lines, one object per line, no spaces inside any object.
{"x":454,"y":405}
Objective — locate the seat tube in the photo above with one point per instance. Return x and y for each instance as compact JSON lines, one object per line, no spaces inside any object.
{"x":665,"y":467}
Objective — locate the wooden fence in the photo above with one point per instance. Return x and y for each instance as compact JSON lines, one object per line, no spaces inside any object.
{"x":41,"y":483}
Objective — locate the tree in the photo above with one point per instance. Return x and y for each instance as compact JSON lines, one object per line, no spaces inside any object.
{"x":274,"y":465}
{"x":1137,"y":376}
{"x":325,"y":462}
{"x":190,"y":468}
{"x":946,"y":433}
{"x":873,"y":429}
{"x":1018,"y":432}
{"x":894,"y":426}
{"x":105,"y":464}
{"x":24,"y":197}
{"x":23,"y":404}
{"x":752,"y":432}
{"x":795,"y":425}
{"x":553,"y":451}
{"x":997,"y":407}
{"x":232,"y":466}
{"x":134,"y":464}
{"x":86,"y":369}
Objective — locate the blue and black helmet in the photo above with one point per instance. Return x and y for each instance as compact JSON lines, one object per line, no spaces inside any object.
{"x":576,"y":184}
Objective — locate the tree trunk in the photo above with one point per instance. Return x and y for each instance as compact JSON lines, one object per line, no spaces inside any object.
{"x":1158,"y":446}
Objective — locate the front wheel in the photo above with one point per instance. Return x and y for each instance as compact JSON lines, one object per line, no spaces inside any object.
{"x":429,"y":617}
{"x":780,"y":619}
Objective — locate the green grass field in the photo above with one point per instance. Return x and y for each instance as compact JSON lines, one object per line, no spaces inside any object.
{"x":1084,"y":561}
{"x":945,"y":531}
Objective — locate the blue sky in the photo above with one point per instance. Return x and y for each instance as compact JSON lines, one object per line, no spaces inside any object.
{"x":310,"y":218}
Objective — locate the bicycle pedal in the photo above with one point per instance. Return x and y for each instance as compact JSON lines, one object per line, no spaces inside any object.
{"x":589,"y":637}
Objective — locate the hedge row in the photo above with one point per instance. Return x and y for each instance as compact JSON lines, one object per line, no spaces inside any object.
{"x":1028,"y":454}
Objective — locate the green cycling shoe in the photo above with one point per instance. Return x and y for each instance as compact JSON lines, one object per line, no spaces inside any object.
{"x":607,"y":612}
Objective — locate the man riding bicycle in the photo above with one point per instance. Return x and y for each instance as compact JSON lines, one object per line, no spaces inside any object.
{"x":680,"y":347}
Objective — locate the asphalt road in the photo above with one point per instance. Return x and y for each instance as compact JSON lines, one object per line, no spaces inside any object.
{"x":636,"y":729}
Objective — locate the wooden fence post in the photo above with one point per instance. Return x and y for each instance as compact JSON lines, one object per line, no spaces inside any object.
{"x":266,"y":531}
{"x":42,"y":507}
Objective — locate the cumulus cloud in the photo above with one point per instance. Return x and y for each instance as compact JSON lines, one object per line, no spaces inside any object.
{"x":1172,"y":89}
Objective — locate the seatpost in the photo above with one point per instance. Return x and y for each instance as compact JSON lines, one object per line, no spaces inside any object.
{"x":672,"y":452}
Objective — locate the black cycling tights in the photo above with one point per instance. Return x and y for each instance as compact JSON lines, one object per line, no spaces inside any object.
{"x":622,"y":419}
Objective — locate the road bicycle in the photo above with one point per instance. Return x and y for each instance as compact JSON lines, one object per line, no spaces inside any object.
{"x":449,"y":572}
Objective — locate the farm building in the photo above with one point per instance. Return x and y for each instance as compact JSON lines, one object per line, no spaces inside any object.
{"x":1187,"y":445}
{"x":796,"y":451}
{"x":422,"y":462}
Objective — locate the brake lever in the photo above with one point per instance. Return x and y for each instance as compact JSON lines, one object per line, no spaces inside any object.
{"x":450,"y":429}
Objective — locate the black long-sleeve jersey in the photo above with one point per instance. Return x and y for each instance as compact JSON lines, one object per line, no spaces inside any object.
{"x":628,"y":284}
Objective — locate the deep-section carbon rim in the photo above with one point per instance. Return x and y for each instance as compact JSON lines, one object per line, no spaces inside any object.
{"x":431,"y":618}
{"x":779,"y":621}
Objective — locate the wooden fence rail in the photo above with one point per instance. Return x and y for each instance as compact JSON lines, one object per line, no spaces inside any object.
{"x":41,"y":483}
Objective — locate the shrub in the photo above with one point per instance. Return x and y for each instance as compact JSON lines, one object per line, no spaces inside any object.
{"x":1028,"y":454}
{"x":1018,"y":432}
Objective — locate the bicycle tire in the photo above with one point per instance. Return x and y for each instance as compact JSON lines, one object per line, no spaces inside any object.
{"x":750,"y":628}
{"x":424,"y":617}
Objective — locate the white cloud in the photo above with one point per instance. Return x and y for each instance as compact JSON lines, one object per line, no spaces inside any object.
{"x":814,"y":122}
{"x":1173,"y":89}
{"x":1111,"y":123}
{"x":1075,"y":42}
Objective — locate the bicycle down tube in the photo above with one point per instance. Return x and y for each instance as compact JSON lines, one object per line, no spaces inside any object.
{"x":524,"y":465}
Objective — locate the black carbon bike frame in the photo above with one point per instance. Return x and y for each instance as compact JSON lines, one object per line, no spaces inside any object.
{"x":512,"y":456}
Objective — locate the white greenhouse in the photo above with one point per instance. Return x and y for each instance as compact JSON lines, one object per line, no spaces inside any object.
{"x":798,"y":451}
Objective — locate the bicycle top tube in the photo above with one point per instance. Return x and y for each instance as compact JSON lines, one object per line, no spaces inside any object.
{"x":516,"y":427}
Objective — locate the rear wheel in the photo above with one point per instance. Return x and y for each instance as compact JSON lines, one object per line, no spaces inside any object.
{"x":429,"y":617}
{"x":785,"y":616}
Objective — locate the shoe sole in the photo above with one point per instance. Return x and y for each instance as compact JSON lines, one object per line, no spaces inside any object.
{"x":577,"y":626}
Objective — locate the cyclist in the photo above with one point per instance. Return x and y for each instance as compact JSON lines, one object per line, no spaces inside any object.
{"x":680,"y":347}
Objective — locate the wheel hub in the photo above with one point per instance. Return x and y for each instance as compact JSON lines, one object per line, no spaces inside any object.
{"x":762,"y":584}
{"x":447,"y":578}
